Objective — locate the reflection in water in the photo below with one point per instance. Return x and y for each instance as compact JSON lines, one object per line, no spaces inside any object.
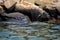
{"x":33,"y":31}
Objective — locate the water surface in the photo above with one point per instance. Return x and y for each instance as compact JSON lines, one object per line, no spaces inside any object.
{"x":33,"y":31}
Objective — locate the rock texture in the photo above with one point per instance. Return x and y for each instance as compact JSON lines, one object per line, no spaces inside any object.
{"x":27,"y":8}
{"x":36,"y":10}
{"x":31,"y":10}
{"x":9,"y":3}
{"x":17,"y":16}
{"x":1,"y":2}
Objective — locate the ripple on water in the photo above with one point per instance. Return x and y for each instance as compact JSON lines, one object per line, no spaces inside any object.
{"x":15,"y":38}
{"x":56,"y":27}
{"x":5,"y":33}
{"x":31,"y":32}
{"x":36,"y":38}
{"x":53,"y":31}
{"x":3,"y":38}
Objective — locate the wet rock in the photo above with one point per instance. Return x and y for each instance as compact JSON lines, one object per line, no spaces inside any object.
{"x":13,"y":17}
{"x":17,"y":17}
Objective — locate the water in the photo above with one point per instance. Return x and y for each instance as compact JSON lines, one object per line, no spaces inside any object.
{"x":33,"y":31}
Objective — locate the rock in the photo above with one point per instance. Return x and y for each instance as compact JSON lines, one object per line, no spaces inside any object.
{"x":1,"y":2}
{"x":9,"y":6}
{"x":50,"y":4}
{"x":25,"y":5}
{"x":2,"y":16}
{"x":52,"y":12}
{"x":31,"y":10}
{"x":32,"y":1}
{"x":9,"y":3}
{"x":1,"y":10}
{"x":17,"y":17}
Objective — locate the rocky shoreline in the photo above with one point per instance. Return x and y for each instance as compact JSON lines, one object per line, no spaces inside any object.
{"x":26,"y":11}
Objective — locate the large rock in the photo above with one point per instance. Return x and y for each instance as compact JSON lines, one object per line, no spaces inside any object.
{"x":28,"y":9}
{"x":33,"y":11}
{"x":17,"y":17}
{"x":13,"y":16}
